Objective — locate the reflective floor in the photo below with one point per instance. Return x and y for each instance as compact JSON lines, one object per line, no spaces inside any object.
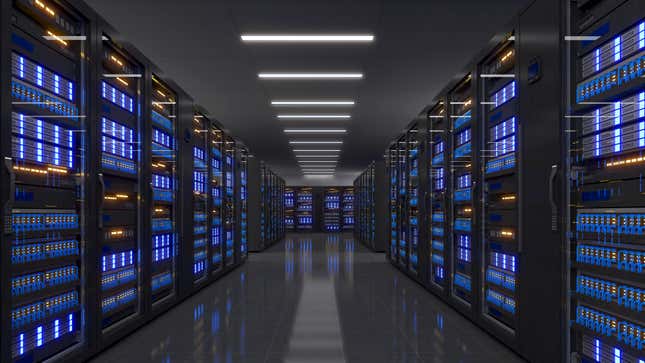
{"x":312,"y":298}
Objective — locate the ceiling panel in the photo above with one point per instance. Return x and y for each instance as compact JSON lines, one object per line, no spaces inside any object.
{"x":418,"y":47}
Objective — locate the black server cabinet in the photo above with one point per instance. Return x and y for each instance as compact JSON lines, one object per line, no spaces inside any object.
{"x":289,"y":209}
{"x":437,"y":198}
{"x":391,"y":163}
{"x":257,"y":205}
{"x":46,"y":199}
{"x":217,"y":195}
{"x":606,"y":114}
{"x":371,"y":207}
{"x":229,"y":167}
{"x":241,"y":198}
{"x":331,"y":209}
{"x":200,"y":201}
{"x":463,"y":173}
{"x":305,"y":209}
{"x":347,"y":208}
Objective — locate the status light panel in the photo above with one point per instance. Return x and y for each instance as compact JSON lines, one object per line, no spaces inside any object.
{"x":46,"y":209}
{"x":347,"y":209}
{"x":289,"y":206}
{"x":402,"y":202}
{"x":230,"y":221}
{"x":413,"y":199}
{"x":304,"y":209}
{"x":392,"y":160}
{"x":164,"y":189}
{"x":244,"y":205}
{"x":608,"y":217}
{"x":331,"y":210}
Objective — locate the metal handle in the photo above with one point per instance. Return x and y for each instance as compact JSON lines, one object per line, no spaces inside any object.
{"x":101,"y":193}
{"x":8,"y":164}
{"x":554,"y":205}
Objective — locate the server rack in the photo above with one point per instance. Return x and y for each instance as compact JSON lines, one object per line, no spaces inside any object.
{"x":371,"y":207}
{"x":243,"y":205}
{"x":46,"y":207}
{"x":439,"y":213}
{"x":304,"y":213}
{"x":464,"y":157}
{"x":289,"y":206}
{"x":347,"y":208}
{"x":230,"y":208}
{"x":607,"y":119}
{"x":331,"y":209}
{"x":412,"y":197}
{"x":266,"y":201}
{"x":217,"y":195}
{"x":200,"y":196}
{"x":391,"y":163}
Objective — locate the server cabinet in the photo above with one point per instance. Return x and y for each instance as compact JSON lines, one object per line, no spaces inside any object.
{"x":438,"y":211}
{"x":217,"y":194}
{"x":304,"y":214}
{"x":392,"y":162}
{"x":164,"y":146}
{"x":289,"y":209}
{"x":607,"y":123}
{"x":371,"y":207}
{"x":45,"y":179}
{"x":122,"y":195}
{"x":242,"y":158}
{"x":200,"y":201}
{"x":412,"y":197}
{"x":464,"y":164}
{"x":331,"y":210}
{"x":347,"y":209}
{"x":230,"y":207}
{"x":257,"y":205}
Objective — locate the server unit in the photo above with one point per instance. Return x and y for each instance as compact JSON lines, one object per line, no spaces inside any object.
{"x":494,"y":151}
{"x":347,"y":209}
{"x":304,"y":211}
{"x":229,"y":167}
{"x":200,"y":196}
{"x":45,"y":149}
{"x":371,"y":207}
{"x":266,"y":201}
{"x":241,"y":249}
{"x":607,"y":123}
{"x":331,"y":209}
{"x":289,"y":208}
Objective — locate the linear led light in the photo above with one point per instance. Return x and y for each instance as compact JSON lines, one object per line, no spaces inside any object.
{"x":308,"y":38}
{"x":315,"y":131}
{"x":328,"y":162}
{"x":270,"y":75}
{"x":317,"y":156}
{"x":312,"y":103}
{"x":318,"y":170}
{"x":316,"y":150}
{"x":319,"y":175}
{"x":314,"y":142}
{"x":494,"y":75}
{"x":122,"y":75}
{"x":343,"y":117}
{"x":583,"y":38}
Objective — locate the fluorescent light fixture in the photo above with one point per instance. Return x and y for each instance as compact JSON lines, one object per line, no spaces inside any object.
{"x":319,"y":175}
{"x":582,"y":38}
{"x":312,"y":103}
{"x":495,"y":75}
{"x":342,"y":117}
{"x":314,"y":142}
{"x":317,"y":156}
{"x":122,"y":75}
{"x":315,"y":150}
{"x":328,"y":162}
{"x":323,"y":75}
{"x":307,"y":38}
{"x":315,"y":131}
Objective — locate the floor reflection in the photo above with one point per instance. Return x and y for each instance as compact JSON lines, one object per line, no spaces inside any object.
{"x":311,"y":298}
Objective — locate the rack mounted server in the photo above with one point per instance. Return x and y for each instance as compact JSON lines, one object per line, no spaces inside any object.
{"x":96,"y":153}
{"x":267,"y":205}
{"x":370,"y":207}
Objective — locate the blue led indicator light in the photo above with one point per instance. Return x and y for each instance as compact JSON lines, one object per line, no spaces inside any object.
{"x":597,"y":60}
{"x":56,"y":84}
{"x":617,"y":355}
{"x":39,"y":76}
{"x":21,"y":61}
{"x":39,"y":336}
{"x":70,"y":91}
{"x":617,"y":130}
{"x":70,"y":322}
{"x":56,"y":329}
{"x":21,"y":344}
{"x":617,"y":49}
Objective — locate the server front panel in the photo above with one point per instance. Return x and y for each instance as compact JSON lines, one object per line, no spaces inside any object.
{"x":47,"y":167}
{"x":304,"y":214}
{"x":412,"y":198}
{"x":347,"y":209}
{"x":230,"y":219}
{"x":216,"y":186}
{"x":200,"y":200}
{"x":331,"y":210}
{"x":438,"y":203}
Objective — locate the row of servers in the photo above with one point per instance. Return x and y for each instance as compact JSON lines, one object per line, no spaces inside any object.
{"x":319,"y":209}
{"x":266,"y":206}
{"x":516,"y":194}
{"x":370,"y":207}
{"x":338,"y":209}
{"x":102,"y":230}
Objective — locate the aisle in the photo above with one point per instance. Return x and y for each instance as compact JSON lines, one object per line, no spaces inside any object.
{"x":312,"y":298}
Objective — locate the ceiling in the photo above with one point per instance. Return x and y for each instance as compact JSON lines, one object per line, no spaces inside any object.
{"x":419,"y":45}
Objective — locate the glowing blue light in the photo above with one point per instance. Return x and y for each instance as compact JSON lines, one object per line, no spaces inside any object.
{"x":113,"y":94}
{"x":21,"y":61}
{"x":39,"y":336}
{"x":617,"y":49}
{"x":70,"y":91}
{"x":617,"y":130}
{"x":104,"y":90}
{"x":70,"y":322}
{"x":39,"y":152}
{"x":21,"y":344}
{"x":104,"y":264}
{"x":641,"y":35}
{"x":56,"y":84}
{"x":597,"y":59}
{"x":122,"y":100}
{"x":56,"y":329}
{"x":641,"y":114}
{"x":39,"y":76}
{"x":113,"y":261}
{"x":512,"y":89}
{"x":617,"y":354}
{"x":597,"y":350}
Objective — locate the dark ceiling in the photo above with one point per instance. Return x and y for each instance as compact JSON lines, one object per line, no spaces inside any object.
{"x":418,"y":47}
